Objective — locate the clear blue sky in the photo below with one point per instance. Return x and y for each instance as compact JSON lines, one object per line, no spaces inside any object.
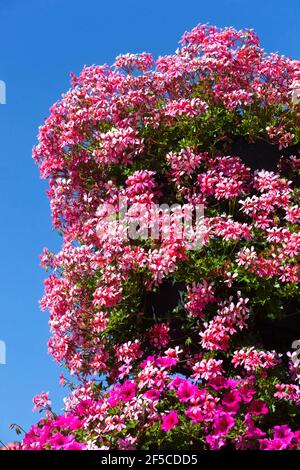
{"x":41,"y":42}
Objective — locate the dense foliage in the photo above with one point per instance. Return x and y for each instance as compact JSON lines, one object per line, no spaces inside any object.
{"x":173,"y":344}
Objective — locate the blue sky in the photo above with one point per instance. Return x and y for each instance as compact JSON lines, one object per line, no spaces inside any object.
{"x":41,"y":42}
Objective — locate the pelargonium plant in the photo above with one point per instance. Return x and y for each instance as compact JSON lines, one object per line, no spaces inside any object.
{"x":179,"y":337}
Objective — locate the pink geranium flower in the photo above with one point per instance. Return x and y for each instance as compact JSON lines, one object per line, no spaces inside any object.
{"x":41,"y":401}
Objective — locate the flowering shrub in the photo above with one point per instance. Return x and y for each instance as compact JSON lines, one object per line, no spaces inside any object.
{"x":168,"y":342}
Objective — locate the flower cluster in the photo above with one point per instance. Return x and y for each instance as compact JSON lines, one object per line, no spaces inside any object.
{"x":170,"y":343}
{"x":165,"y":403}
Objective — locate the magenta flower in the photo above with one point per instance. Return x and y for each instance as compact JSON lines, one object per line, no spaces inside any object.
{"x":246,"y":393}
{"x":166,"y":362}
{"x":272,"y":444}
{"x":258,"y":407}
{"x":231,"y":400}
{"x":252,"y":430}
{"x":74,"y":445}
{"x":223,"y":423}
{"x":169,"y":421}
{"x":127,"y":391}
{"x":218,"y":382}
{"x":176,"y":382}
{"x":215,"y":442}
{"x":152,"y":394}
{"x":60,"y":441}
{"x":186,"y":391}
{"x":284,"y":433}
{"x":195,"y":413}
{"x":67,"y":422}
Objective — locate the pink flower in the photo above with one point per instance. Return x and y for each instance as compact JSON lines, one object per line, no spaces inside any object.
{"x":142,"y":62}
{"x":215,"y":441}
{"x":159,"y":334}
{"x":106,"y":297}
{"x":223,"y":423}
{"x":195,"y":413}
{"x":187,"y":107}
{"x":127,"y":391}
{"x":74,"y":445}
{"x":230,"y":318}
{"x":296,"y":438}
{"x":166,"y":362}
{"x":173,"y":352}
{"x":128,"y":443}
{"x":252,"y":359}
{"x":41,"y":401}
{"x":252,"y":430}
{"x":183,"y":163}
{"x":186,"y":391}
{"x":198,"y":296}
{"x":284,"y":433}
{"x":152,"y":394}
{"x":62,"y":442}
{"x":272,"y":444}
{"x":62,"y":380}
{"x":231,"y":400}
{"x":170,"y":420}
{"x":258,"y":407}
{"x":113,"y":397}
{"x":174,"y":384}
{"x":68,"y":422}
{"x":217,"y":382}
{"x":207,"y":369}
{"x":141,"y":182}
{"x":246,"y":392}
